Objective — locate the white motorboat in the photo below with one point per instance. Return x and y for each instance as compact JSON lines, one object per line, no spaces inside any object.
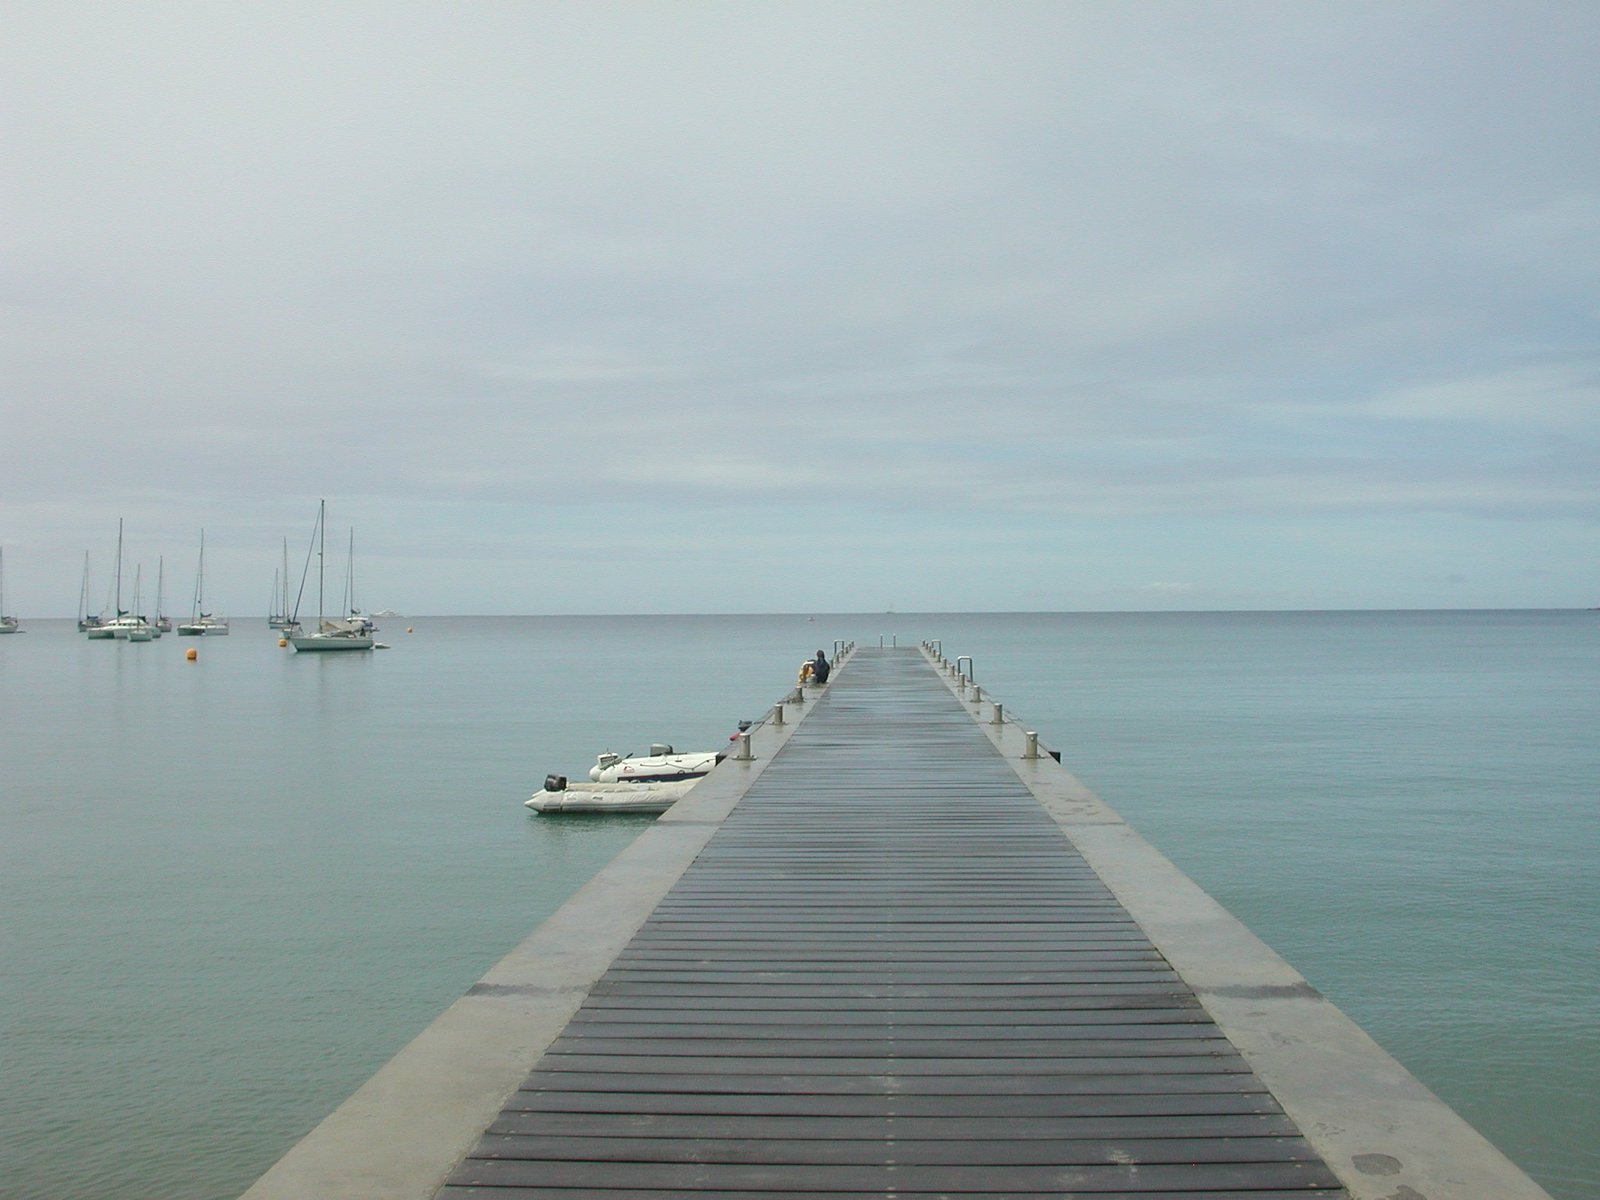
{"x":558,"y":796}
{"x":660,"y":765}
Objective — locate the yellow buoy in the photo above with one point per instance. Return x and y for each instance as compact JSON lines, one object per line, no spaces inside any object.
{"x":408,"y":629}
{"x":191,"y":654}
{"x":283,"y":641}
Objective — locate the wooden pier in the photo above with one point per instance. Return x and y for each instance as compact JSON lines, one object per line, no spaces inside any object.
{"x":896,"y":954}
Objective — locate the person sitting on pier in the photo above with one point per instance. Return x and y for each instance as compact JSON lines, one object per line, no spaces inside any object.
{"x":820,"y":669}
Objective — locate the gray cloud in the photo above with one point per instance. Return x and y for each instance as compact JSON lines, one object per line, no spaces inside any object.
{"x":605,"y":262}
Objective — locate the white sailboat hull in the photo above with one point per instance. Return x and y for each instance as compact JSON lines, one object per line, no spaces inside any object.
{"x":319,"y":641}
{"x":334,"y":635}
{"x":126,"y":629}
{"x":204,"y":627}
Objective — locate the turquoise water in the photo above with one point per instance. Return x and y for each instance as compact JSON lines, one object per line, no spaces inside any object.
{"x":233,"y":888}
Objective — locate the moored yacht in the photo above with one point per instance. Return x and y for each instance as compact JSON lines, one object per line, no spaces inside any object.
{"x":202,"y":624}
{"x":349,"y":633}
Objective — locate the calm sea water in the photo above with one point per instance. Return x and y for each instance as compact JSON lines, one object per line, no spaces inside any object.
{"x":233,"y":888}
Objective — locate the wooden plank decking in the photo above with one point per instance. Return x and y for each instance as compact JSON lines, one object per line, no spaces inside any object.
{"x":890,"y":973}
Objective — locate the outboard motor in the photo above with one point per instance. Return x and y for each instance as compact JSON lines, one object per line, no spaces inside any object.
{"x":555,"y":783}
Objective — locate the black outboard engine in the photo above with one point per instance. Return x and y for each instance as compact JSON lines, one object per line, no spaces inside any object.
{"x":555,"y":783}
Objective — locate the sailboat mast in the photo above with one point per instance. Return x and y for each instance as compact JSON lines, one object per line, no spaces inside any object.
{"x":200,"y":580}
{"x":119,"y":567}
{"x":322,"y":555}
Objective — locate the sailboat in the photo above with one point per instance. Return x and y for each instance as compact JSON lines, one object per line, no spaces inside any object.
{"x":124,"y":621}
{"x":7,"y":624}
{"x":203,"y":624}
{"x":278,"y":611}
{"x":163,"y":623}
{"x":137,"y":628}
{"x":351,"y":633}
{"x":86,"y":619}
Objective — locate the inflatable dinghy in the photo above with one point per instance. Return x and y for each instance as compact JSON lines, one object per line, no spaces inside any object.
{"x":557,"y":796}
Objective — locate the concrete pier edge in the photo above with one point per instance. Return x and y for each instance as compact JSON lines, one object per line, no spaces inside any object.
{"x":1379,"y":1129}
{"x":401,"y":1133}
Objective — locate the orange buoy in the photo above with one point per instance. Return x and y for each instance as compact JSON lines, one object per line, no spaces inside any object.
{"x":408,"y":629}
{"x":191,"y":654}
{"x":283,"y":641}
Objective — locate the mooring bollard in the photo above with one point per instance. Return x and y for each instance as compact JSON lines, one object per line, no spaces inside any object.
{"x":977,"y":694}
{"x":997,"y":719}
{"x":744,"y":754}
{"x":1032,"y":750}
{"x":777,"y":714}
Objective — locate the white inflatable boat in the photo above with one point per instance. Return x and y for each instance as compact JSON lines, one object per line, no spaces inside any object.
{"x":661,"y":765}
{"x":558,"y":797}
{"x":647,"y":783}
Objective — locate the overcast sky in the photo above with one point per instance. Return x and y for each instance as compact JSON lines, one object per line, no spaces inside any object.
{"x":714,"y":307}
